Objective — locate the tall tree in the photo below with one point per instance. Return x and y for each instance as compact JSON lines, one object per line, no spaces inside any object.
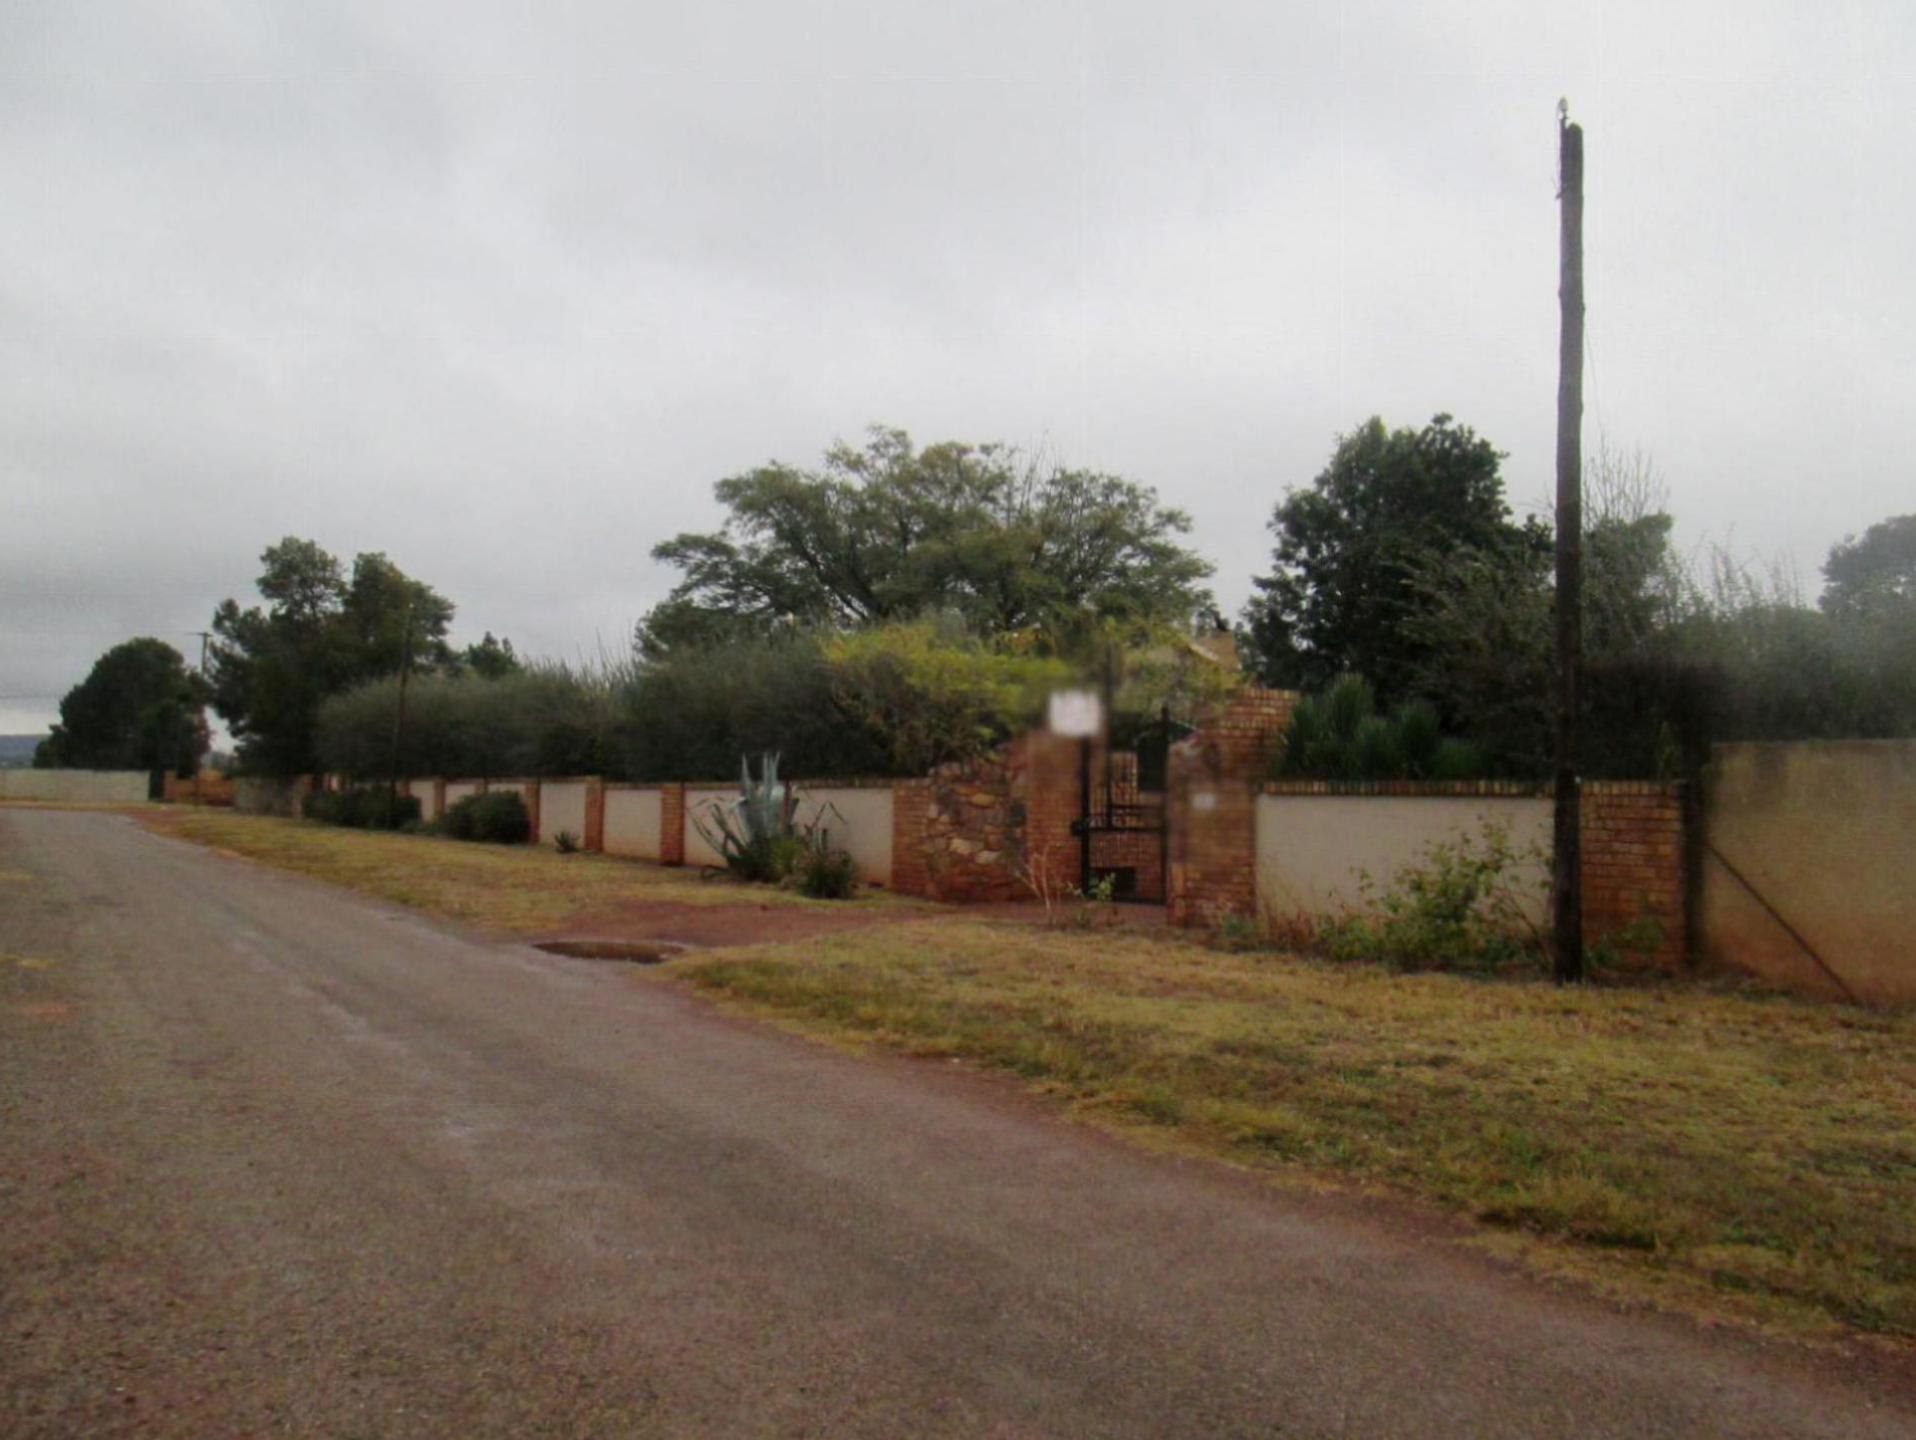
{"x":1340,"y":596}
{"x":139,"y":708}
{"x":891,"y":532}
{"x":1483,"y":621}
{"x":1873,"y":577}
{"x":320,"y":632}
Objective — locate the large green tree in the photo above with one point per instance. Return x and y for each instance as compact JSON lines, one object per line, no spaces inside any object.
{"x":1341,"y":594}
{"x":139,"y":708}
{"x":320,"y":631}
{"x":1484,"y":622}
{"x":891,"y":532}
{"x":1874,"y":576}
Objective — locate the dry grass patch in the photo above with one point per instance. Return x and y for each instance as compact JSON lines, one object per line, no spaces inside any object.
{"x":1752,"y":1148}
{"x":521,"y":888}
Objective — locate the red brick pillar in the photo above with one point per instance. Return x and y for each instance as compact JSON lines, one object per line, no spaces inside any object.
{"x":1052,"y":774}
{"x":594,"y":838}
{"x":1215,"y":777}
{"x":909,"y":872}
{"x":439,"y":798}
{"x":532,"y":811}
{"x":672,"y":824}
{"x":1632,"y":842}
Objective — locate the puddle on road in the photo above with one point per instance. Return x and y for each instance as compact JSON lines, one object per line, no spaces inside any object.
{"x":635,"y":952}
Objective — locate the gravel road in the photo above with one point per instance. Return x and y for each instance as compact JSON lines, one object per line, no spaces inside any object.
{"x":275,"y":1160}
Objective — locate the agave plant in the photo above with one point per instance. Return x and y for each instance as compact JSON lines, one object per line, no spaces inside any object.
{"x":757,"y":834}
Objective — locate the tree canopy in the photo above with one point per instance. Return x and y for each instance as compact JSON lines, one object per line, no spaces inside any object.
{"x":1341,"y":593}
{"x":139,"y":708}
{"x":891,"y":532}
{"x":320,"y":632}
{"x":1874,"y":576}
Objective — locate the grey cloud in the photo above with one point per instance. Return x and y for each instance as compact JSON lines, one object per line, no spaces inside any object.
{"x":502,"y":290}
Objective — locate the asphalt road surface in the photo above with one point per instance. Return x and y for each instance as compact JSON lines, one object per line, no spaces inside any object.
{"x":275,"y":1160}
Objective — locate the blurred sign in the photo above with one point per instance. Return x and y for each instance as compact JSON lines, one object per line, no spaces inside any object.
{"x":1078,"y":714}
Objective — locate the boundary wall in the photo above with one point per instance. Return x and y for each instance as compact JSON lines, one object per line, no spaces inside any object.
{"x":75,"y":787}
{"x":1808,"y":866}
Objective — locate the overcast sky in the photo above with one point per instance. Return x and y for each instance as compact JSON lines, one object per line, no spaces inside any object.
{"x":501,"y":290}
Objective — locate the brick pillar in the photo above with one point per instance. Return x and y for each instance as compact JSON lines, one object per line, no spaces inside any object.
{"x":532,"y":810}
{"x":1633,"y":867}
{"x":1049,"y":778}
{"x":439,"y":798}
{"x":594,"y":838}
{"x":1214,"y":781}
{"x":909,"y":873}
{"x":672,"y":824}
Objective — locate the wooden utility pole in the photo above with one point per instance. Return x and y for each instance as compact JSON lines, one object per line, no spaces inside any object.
{"x":399,"y":716}
{"x":1566,"y":930}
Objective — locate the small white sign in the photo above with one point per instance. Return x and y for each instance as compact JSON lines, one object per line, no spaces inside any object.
{"x":1078,"y":714}
{"x":1204,"y":799}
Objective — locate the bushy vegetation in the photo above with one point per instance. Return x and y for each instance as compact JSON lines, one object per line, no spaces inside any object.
{"x":363,"y":807}
{"x":887,"y":700}
{"x":1338,"y":735}
{"x":497,"y":817}
{"x":1460,"y":908}
{"x":938,"y":695}
{"x":689,"y":714}
{"x":548,"y":718}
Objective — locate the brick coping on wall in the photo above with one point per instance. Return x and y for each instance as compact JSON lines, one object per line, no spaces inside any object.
{"x":1465,"y":789}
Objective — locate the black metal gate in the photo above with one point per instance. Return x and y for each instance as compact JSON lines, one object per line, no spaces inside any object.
{"x":1123,"y":820}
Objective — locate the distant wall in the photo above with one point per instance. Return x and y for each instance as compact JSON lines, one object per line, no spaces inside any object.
{"x":457,"y":790}
{"x":699,"y":800}
{"x":1809,"y":865}
{"x":562,"y":806}
{"x":1313,"y":849}
{"x":426,"y":792}
{"x":83,"y":787}
{"x":633,"y":816}
{"x":858,"y":819}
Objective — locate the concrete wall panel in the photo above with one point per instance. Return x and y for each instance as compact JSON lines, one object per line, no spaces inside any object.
{"x":561,"y":807}
{"x":858,"y":819}
{"x":1823,"y":837}
{"x":1311,"y":848}
{"x":632,"y":822}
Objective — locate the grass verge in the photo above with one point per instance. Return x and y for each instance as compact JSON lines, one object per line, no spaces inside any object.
{"x":519,"y":888}
{"x":1742,"y":1153}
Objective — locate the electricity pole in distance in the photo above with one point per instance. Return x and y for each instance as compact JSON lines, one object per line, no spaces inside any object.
{"x":399,"y":718}
{"x":1566,"y":889}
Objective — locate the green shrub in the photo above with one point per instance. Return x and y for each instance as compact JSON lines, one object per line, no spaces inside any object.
{"x":689,"y":714}
{"x":1459,"y":909}
{"x":827,"y":873}
{"x":364,"y":807}
{"x":566,"y":843}
{"x":497,"y":817}
{"x":1338,"y":735}
{"x":937,"y":694}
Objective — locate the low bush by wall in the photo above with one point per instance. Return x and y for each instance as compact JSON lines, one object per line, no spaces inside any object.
{"x":263,"y":795}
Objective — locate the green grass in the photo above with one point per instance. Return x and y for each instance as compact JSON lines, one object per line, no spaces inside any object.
{"x":1750,"y":1154}
{"x":518,"y":888}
